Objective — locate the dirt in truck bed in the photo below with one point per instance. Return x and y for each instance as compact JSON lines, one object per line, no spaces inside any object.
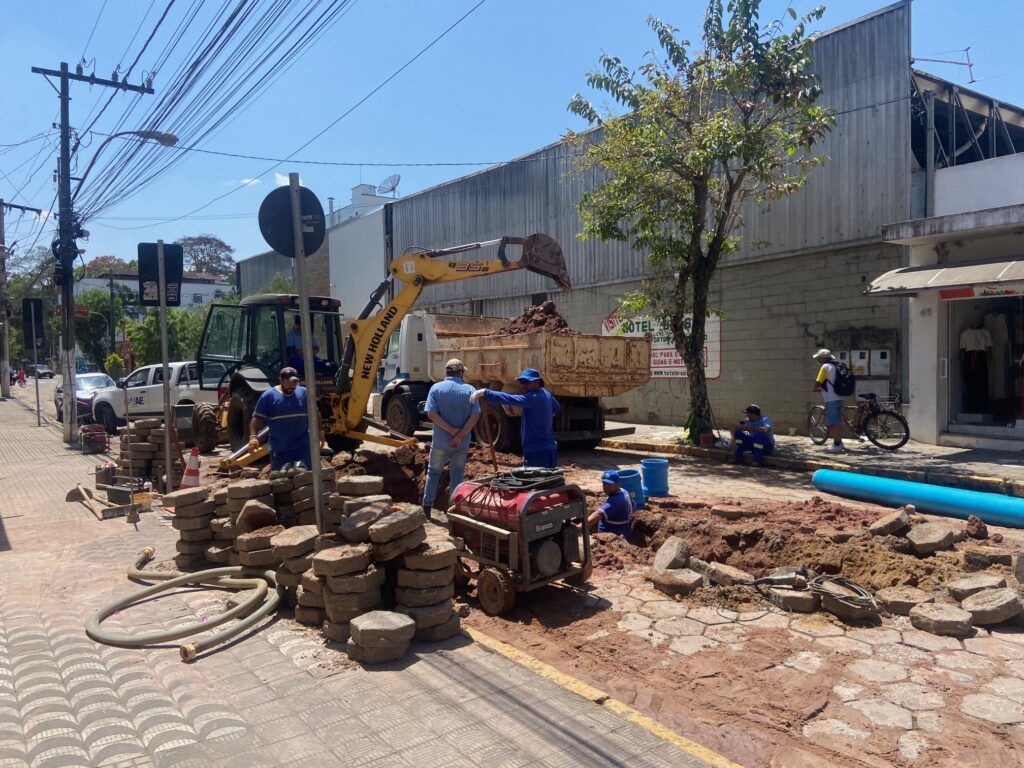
{"x":543,"y":317}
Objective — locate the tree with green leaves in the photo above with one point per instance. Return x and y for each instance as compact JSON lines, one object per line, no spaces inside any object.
{"x":102,"y":266}
{"x":184,"y":329}
{"x":208,"y":254}
{"x":707,"y":127}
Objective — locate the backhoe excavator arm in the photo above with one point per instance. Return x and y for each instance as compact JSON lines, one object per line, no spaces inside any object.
{"x":369,"y":335}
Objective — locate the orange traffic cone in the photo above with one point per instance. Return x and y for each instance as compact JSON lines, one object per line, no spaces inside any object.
{"x":191,"y":477}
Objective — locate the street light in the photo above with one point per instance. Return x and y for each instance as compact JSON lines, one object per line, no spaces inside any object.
{"x":164,"y":138}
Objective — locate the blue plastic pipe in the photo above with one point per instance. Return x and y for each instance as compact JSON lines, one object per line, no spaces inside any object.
{"x":955,"y":502}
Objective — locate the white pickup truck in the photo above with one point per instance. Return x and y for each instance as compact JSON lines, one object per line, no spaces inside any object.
{"x":144,"y":388}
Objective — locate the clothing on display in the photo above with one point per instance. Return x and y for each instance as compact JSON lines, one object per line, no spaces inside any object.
{"x":975,"y":348}
{"x":995,"y":325}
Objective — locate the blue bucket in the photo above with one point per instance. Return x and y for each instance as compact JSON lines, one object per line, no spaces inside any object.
{"x":655,"y":477}
{"x":630,"y":480}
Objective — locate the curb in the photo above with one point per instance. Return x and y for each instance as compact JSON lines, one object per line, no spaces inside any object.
{"x":1000,"y":485}
{"x":602,"y":699}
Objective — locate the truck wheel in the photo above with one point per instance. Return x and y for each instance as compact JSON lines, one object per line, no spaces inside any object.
{"x":401,"y":413}
{"x":498,"y":427}
{"x":495,"y":592}
{"x":106,"y":417}
{"x":204,"y":427}
{"x":240,"y":408}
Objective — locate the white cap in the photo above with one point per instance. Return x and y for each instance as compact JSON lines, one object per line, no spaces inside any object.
{"x":454,"y":365}
{"x":821,"y":353}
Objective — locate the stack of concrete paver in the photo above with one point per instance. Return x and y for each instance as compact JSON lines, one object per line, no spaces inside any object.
{"x":219,"y":550}
{"x":351,"y":494}
{"x":302,"y":493}
{"x":380,"y":636}
{"x":293,"y":549}
{"x":193,"y":513}
{"x":281,"y":486}
{"x":424,"y":590}
{"x":350,"y":582}
{"x":254,"y":547}
{"x":135,"y":458}
{"x":250,"y":508}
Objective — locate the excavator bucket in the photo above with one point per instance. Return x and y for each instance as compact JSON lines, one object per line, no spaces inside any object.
{"x":543,"y":255}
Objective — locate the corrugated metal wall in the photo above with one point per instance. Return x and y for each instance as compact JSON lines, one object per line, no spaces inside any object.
{"x":864,"y":69}
{"x":256,"y":272}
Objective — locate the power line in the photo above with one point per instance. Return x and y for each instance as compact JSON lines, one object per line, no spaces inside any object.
{"x":93,"y":32}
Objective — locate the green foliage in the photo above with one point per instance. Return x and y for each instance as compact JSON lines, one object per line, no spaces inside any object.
{"x":278,"y":284}
{"x":29,"y":274}
{"x":208,"y":254}
{"x":92,"y":333}
{"x":709,"y":127}
{"x":102,"y":266}
{"x":184,"y":329}
{"x":114,"y":365}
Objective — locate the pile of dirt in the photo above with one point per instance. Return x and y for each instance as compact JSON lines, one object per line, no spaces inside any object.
{"x":403,"y":469}
{"x":543,"y":317}
{"x":615,"y":553}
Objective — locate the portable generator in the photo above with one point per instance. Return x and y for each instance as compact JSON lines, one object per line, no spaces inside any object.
{"x":525,"y":528}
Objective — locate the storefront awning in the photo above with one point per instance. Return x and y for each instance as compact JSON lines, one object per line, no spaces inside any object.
{"x":953,"y":281}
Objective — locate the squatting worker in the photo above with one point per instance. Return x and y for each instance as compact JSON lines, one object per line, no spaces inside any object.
{"x":616,"y":514}
{"x":825,"y":383}
{"x":454,"y":413}
{"x":283,"y":408}
{"x":755,"y":434}
{"x":538,"y":409}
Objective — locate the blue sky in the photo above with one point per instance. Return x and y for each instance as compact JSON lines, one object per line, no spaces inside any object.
{"x":495,"y":87}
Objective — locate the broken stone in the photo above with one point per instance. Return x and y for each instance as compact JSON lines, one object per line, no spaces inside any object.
{"x":727,"y":512}
{"x":258,"y":558}
{"x":311,"y":582}
{"x":941,"y":619}
{"x":834,"y":599}
{"x":340,"y":560}
{"x":220,"y":496}
{"x":191,"y":523}
{"x":218,"y":553}
{"x":432,"y":556}
{"x":298,"y":564}
{"x":391,"y":550}
{"x":726,"y":575}
{"x":376,"y":655}
{"x":309,"y":598}
{"x":425,"y":579}
{"x":294,"y":542}
{"x":675,"y":581}
{"x":978,"y":557}
{"x":258,"y":539}
{"x":696,"y":564}
{"x":280,"y":485}
{"x":397,"y":524}
{"x":429,"y":596}
{"x":351,"y":601}
{"x":185,"y":497}
{"x":359,"y":485}
{"x":671,"y":555}
{"x":991,"y":606}
{"x":336,"y":631}
{"x":1018,"y":568}
{"x":357,"y":582}
{"x":897,"y":544}
{"x":351,"y":506}
{"x":427,"y":615}
{"x":202,"y":509}
{"x":927,"y":538}
{"x":223,"y":529}
{"x":899,"y":601}
{"x":326,"y":541}
{"x":254,"y":515}
{"x":286,"y":578}
{"x":356,"y":527}
{"x":891,"y":524}
{"x":309,"y":615}
{"x":799,"y":600}
{"x":968,"y":585}
{"x":249,"y":489}
{"x":439,"y":632}
{"x":976,"y":528}
{"x":834,"y":535}
{"x":382,"y":628}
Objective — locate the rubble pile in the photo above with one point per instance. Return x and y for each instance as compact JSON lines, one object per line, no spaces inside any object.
{"x":543,"y":317}
{"x":141,"y":454}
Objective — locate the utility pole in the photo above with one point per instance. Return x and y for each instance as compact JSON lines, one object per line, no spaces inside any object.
{"x":69,"y":229}
{"x":112,"y":350}
{"x":5,"y":339}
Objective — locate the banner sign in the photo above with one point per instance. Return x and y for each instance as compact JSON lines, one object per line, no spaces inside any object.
{"x":666,"y":362}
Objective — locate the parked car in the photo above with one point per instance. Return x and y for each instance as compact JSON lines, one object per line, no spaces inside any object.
{"x":39,"y":370}
{"x":143,"y":390}
{"x":86,"y":387}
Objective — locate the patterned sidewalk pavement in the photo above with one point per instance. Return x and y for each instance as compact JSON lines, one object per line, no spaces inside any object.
{"x":279,"y":696}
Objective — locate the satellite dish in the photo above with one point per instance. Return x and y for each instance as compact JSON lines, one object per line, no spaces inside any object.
{"x":390,"y":184}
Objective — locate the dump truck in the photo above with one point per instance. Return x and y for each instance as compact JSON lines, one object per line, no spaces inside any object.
{"x":578,"y":369}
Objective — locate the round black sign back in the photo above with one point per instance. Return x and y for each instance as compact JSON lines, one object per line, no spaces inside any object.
{"x":276,"y":221}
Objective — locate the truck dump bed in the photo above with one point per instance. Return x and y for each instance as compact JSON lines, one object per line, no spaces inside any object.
{"x":572,"y":365}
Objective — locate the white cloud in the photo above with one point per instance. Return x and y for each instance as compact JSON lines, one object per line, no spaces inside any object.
{"x":250,"y":182}
{"x":44,"y":216}
{"x":281,"y":179}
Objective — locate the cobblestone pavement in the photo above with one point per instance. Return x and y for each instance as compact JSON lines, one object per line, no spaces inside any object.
{"x":277,"y":696}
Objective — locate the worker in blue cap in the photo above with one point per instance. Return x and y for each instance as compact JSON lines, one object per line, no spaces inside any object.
{"x":616,"y":514}
{"x":538,"y":409}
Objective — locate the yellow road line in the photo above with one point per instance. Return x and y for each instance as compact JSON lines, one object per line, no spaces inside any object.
{"x":601,"y":698}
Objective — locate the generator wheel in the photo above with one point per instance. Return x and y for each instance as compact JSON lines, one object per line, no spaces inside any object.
{"x":582,"y":577}
{"x":495,"y":592}
{"x":205,"y":430}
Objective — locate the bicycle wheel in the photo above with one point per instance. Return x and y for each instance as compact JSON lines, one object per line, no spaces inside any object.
{"x":816,"y":425}
{"x":887,"y":430}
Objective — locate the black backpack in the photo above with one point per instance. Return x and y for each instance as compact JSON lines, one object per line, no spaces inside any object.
{"x":846,"y":382}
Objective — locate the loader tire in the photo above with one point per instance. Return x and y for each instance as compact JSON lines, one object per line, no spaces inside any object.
{"x":240,"y":408}
{"x":205,"y":430}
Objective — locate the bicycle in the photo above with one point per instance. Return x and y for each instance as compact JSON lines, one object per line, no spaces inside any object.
{"x":877,"y":419}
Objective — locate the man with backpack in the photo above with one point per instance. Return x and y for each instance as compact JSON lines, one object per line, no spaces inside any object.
{"x":835,"y":381}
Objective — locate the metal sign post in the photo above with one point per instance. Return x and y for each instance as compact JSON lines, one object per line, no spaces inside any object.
{"x":168,"y":465}
{"x":35,"y":367}
{"x":309,"y":367}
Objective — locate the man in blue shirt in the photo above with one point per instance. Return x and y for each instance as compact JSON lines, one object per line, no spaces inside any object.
{"x":293,"y":339}
{"x":454,"y":414}
{"x":538,"y":409}
{"x":284,"y":408}
{"x":616,"y":514}
{"x":754,"y":434}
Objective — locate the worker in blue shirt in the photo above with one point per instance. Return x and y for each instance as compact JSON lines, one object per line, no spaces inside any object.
{"x":454,"y":413}
{"x":616,"y":514}
{"x":754,"y":434}
{"x":538,"y":409}
{"x":293,"y":339}
{"x":283,"y":408}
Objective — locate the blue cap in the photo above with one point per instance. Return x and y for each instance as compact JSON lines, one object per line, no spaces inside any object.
{"x":610,"y":476}
{"x":529,"y":374}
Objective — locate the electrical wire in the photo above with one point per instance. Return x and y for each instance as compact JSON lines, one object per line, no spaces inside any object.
{"x":93,"y":31}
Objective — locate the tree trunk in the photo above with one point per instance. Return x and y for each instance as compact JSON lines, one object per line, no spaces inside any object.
{"x":692,"y":352}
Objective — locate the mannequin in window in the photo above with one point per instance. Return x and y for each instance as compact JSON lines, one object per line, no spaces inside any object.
{"x":975,"y":351}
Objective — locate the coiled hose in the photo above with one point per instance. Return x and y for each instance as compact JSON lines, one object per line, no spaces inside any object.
{"x":262,"y":603}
